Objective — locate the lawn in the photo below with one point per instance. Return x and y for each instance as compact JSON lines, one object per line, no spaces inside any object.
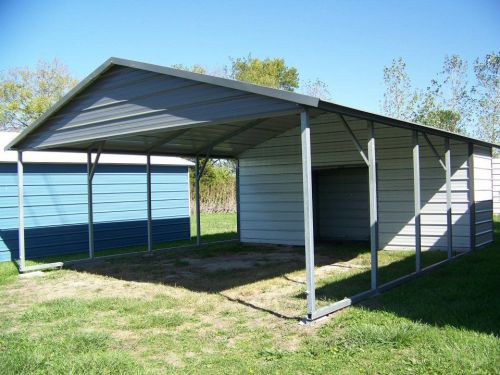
{"x":229,"y":308}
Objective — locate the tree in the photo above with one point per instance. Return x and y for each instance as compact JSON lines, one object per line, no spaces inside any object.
{"x":268,"y":72}
{"x":317,"y":88}
{"x":487,"y":91}
{"x":442,"y":118}
{"x":444,"y":104}
{"x":26,"y":93}
{"x":399,"y":97}
{"x":196,"y":68}
{"x":451,"y":95}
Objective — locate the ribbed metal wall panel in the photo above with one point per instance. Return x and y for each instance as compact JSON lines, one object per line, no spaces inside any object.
{"x":395,"y":197}
{"x":271,"y":184}
{"x":126,"y":99}
{"x":483,"y":195}
{"x":56,"y":207}
{"x":496,"y":186}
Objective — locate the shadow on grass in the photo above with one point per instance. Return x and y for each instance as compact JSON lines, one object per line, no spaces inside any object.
{"x":360,"y":282}
{"x":463,"y":294}
{"x":169,"y":246}
{"x":185,"y":268}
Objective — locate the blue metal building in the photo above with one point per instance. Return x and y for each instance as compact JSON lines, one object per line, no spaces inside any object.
{"x":55,"y":202}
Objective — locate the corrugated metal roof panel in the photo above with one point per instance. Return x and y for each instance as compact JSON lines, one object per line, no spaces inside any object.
{"x":126,"y":98}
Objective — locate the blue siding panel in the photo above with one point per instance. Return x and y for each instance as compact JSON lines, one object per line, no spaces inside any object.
{"x":56,"y":207}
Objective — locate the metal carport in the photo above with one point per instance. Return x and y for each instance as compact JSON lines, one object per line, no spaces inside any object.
{"x":137,"y":108}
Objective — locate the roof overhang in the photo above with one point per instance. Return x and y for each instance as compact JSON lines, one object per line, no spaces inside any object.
{"x":140,"y":108}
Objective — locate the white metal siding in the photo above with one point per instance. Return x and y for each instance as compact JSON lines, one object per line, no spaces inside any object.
{"x":271,"y":184}
{"x":271,"y":178}
{"x":483,"y":195}
{"x":496,"y":186}
{"x":395,"y":197}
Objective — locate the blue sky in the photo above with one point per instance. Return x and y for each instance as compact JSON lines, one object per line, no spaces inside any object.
{"x":344,"y":43}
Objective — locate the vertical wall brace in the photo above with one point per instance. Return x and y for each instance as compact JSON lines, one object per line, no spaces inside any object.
{"x":91,"y":168}
{"x":417,"y":198}
{"x":472,"y":197}
{"x":90,"y":205}
{"x":372,"y":174}
{"x":150,"y":214}
{"x":197,"y":199}
{"x":308,"y":212}
{"x":449,"y":228}
{"x":238,"y":224}
{"x":20,"y":195}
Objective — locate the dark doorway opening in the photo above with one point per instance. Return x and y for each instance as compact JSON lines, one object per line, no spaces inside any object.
{"x":342,"y":207}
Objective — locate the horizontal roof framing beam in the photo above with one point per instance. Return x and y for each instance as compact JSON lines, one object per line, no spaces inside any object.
{"x":353,"y":112}
{"x":162,"y":130}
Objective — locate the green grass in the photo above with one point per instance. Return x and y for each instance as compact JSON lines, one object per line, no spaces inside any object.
{"x":171,"y":314}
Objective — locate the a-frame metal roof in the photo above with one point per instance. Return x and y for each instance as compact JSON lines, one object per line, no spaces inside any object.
{"x":142,"y":108}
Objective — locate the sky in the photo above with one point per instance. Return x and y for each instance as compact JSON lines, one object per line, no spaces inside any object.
{"x":346,"y":44}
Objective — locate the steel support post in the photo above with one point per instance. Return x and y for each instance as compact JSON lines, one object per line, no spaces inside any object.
{"x":449,"y":228}
{"x":197,"y":200}
{"x":417,"y":198}
{"x":90,"y":205}
{"x":150,"y":215}
{"x":308,"y":212}
{"x":372,"y":174}
{"x":20,"y":196}
{"x":238,"y":222}
{"x":472,"y":197}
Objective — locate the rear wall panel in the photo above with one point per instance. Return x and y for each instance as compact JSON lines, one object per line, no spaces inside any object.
{"x":483,"y":195}
{"x":271,"y":184}
{"x":496,"y":186}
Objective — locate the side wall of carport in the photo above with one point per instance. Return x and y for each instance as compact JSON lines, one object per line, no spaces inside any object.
{"x":271,"y":184}
{"x":496,"y":185}
{"x":483,"y":194}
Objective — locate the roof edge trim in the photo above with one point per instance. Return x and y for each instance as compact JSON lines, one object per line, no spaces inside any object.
{"x":354,"y":112}
{"x":65,"y":99}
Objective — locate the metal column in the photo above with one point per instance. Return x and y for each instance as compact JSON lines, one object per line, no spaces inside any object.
{"x":416,"y":188}
{"x":197,"y":198}
{"x":20,"y":195}
{"x":90,"y":205}
{"x":449,"y":229}
{"x":472,"y":197}
{"x":308,"y":212}
{"x":150,"y":216}
{"x":237,"y":172}
{"x":372,"y":172}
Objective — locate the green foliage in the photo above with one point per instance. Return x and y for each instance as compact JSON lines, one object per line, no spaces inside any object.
{"x":271,"y":72}
{"x":196,"y":68}
{"x":217,"y":187}
{"x":487,"y":90}
{"x":399,"y":98}
{"x":450,"y":102}
{"x":442,"y":118}
{"x":26,"y":93}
